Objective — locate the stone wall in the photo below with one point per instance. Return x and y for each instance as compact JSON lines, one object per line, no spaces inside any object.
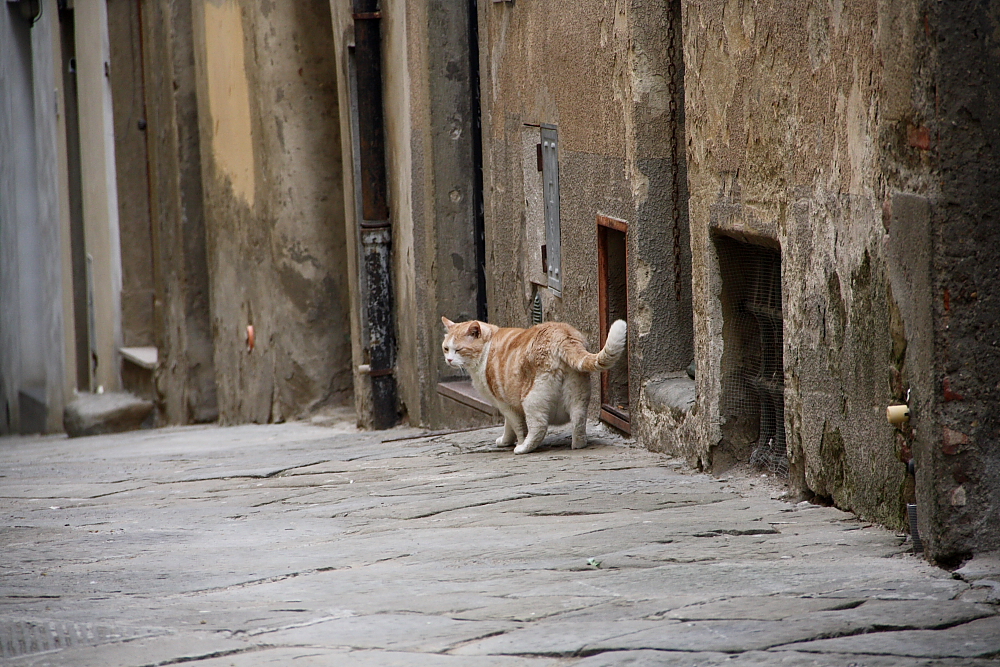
{"x":797,"y":118}
{"x":37,"y":361}
{"x":430,"y":171}
{"x":607,"y":77}
{"x":99,"y":189}
{"x":956,"y":447}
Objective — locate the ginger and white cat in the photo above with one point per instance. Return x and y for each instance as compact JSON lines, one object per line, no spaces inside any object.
{"x":536,"y":377}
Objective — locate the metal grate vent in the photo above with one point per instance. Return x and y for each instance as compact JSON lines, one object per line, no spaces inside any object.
{"x":753,"y":380}
{"x":29,"y":637}
{"x":536,"y":309}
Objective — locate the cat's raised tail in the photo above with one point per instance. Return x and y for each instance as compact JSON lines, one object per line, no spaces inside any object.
{"x":580,"y":359}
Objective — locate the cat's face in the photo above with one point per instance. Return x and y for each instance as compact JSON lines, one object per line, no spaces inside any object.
{"x":463,"y":342}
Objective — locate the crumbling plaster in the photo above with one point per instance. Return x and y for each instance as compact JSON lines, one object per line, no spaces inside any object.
{"x":789,"y":106}
{"x":275,"y":228}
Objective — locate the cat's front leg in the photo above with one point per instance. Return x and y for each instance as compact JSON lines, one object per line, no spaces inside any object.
{"x":536,"y":418}
{"x":509,"y":437}
{"x":514,"y":428}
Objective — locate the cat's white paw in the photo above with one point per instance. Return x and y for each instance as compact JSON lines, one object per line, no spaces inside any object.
{"x":503,"y":442}
{"x":524,"y":448}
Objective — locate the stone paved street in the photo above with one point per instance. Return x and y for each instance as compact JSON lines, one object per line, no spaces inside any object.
{"x":302,"y":544}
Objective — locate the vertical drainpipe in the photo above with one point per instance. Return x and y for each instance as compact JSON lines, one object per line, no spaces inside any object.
{"x":479,"y":221}
{"x":375,"y":228}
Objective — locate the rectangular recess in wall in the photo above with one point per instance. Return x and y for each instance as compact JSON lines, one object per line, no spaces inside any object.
{"x":752,"y":405}
{"x":612,"y":294}
{"x":550,"y":186}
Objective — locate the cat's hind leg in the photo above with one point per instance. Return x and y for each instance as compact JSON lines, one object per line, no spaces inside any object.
{"x":578,"y":398}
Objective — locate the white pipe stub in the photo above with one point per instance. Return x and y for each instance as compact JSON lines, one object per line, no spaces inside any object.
{"x":897,"y":414}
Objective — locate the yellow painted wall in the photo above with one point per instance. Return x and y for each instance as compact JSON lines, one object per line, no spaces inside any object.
{"x":228,"y":96}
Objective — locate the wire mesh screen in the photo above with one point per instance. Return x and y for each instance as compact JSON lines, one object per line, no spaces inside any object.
{"x":752,"y":405}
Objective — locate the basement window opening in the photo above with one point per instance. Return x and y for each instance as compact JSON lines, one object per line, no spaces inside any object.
{"x":752,"y":405}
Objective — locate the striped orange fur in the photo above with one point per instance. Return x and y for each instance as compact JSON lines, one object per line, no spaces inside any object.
{"x":536,"y":377}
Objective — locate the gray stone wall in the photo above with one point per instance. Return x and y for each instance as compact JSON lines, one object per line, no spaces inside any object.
{"x":957,"y":447}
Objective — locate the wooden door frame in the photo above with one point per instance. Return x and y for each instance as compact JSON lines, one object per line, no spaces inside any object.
{"x":608,"y":412}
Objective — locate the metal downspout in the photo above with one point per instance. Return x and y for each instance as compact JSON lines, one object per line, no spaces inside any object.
{"x":375,"y":228}
{"x":479,"y":221}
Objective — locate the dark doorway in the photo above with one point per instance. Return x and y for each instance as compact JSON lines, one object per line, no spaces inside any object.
{"x":479,"y":219}
{"x":78,"y":247}
{"x":613,"y":305}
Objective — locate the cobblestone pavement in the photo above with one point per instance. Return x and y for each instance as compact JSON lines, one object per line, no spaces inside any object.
{"x":308,"y":545}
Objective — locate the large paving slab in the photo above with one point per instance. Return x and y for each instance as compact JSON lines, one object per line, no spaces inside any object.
{"x":650,"y":658}
{"x":977,"y":639}
{"x":320,"y":545}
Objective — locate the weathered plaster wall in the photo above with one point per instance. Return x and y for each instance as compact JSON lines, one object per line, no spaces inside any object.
{"x":185,"y":376}
{"x":31,"y":344}
{"x":20,"y":363}
{"x":50,"y":156}
{"x":606,"y":74}
{"x":271,"y":165}
{"x":797,"y":125}
{"x":132,"y":177}
{"x":404,"y":106}
{"x":100,"y":194}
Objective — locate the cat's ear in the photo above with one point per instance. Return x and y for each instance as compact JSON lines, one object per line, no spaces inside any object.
{"x":448,"y":324}
{"x":474,"y":330}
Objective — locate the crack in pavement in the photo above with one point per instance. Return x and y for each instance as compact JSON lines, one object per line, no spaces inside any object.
{"x":240,"y":474}
{"x":207,"y":656}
